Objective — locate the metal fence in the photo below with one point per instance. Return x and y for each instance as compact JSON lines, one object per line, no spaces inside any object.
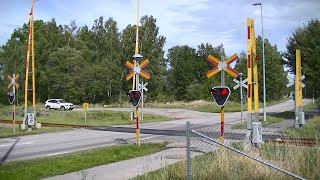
{"x":207,"y":158}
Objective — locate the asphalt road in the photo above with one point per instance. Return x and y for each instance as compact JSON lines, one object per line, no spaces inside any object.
{"x":51,"y":144}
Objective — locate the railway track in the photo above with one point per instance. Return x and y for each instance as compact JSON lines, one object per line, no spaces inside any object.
{"x":297,"y":141}
{"x":279,"y":139}
{"x":48,"y":124}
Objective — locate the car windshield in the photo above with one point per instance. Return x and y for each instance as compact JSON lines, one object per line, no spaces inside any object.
{"x":62,"y":101}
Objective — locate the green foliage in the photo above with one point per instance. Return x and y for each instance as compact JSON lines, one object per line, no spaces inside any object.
{"x":186,"y":71}
{"x":275,"y":75}
{"x":73,"y":62}
{"x":52,"y":166}
{"x":94,"y":118}
{"x":318,"y":101}
{"x":181,"y":60}
{"x":151,"y":47}
{"x":307,"y":39}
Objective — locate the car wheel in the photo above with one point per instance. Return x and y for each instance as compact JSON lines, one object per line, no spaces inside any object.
{"x":62,"y":108}
{"x":47,"y":107}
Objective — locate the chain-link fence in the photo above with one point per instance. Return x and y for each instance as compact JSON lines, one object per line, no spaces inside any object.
{"x":207,"y":158}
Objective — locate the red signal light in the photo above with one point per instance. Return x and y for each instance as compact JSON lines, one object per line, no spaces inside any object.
{"x":220,"y":94}
{"x":224,"y":92}
{"x":136,"y":95}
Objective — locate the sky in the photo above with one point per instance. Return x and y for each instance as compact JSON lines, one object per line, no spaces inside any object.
{"x":182,"y":22}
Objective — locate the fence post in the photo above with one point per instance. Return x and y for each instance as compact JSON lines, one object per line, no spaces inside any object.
{"x":188,"y":151}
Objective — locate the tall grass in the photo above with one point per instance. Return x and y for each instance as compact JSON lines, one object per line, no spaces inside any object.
{"x":224,"y":164}
{"x":310,"y":130}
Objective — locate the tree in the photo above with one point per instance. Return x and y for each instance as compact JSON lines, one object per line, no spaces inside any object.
{"x":66,"y":68}
{"x":203,"y":65}
{"x":48,"y":38}
{"x":307,"y":39}
{"x":181,"y":60}
{"x":275,"y":75}
{"x":150,"y":47}
{"x":13,"y":58}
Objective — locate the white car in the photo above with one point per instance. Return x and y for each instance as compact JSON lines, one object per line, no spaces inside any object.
{"x":58,"y":104}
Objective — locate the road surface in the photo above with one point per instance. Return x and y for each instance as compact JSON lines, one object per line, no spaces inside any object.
{"x":50,"y":144}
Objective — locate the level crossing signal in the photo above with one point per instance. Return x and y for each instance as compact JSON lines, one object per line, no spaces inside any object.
{"x":220,"y":94}
{"x":134,"y":97}
{"x":10,"y":97}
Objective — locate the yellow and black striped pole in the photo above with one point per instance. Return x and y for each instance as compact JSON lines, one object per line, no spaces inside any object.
{"x":255,"y":74}
{"x":298,"y":91}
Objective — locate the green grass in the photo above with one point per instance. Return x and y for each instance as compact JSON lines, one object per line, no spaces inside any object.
{"x":231,"y":106}
{"x":8,"y":131}
{"x":207,"y":106}
{"x":47,"y":167}
{"x":94,"y":118}
{"x":213,"y":108}
{"x":224,"y":164}
{"x":270,"y":120}
{"x":310,"y":130}
{"x":285,"y":115}
{"x":276,"y":118}
{"x":291,"y":114}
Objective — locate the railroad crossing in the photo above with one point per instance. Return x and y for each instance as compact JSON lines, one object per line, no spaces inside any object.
{"x":13,"y":82}
{"x":136,"y":70}
{"x":217,"y":91}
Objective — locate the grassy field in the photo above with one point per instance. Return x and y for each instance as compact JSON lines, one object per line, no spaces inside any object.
{"x":311,"y":130}
{"x":225,"y":164}
{"x":94,"y":118}
{"x":47,"y":167}
{"x":207,"y":106}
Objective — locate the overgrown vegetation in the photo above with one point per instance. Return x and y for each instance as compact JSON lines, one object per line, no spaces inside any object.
{"x":224,"y":164}
{"x":311,"y":130}
{"x":46,"y":167}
